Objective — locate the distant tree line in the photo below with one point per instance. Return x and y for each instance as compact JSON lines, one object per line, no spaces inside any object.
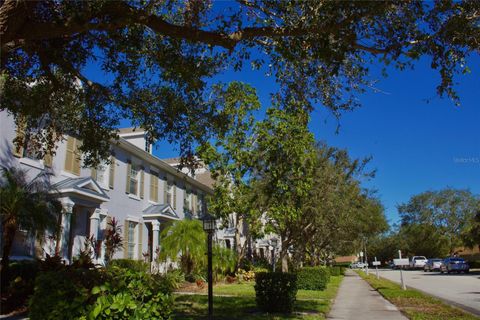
{"x":433,"y":224}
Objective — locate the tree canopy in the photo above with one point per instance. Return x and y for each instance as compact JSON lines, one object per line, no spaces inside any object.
{"x":161,"y":59}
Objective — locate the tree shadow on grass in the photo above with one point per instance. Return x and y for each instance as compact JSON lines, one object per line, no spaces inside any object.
{"x":195,"y":307}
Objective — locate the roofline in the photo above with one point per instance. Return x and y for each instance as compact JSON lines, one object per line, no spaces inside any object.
{"x":124,"y":144}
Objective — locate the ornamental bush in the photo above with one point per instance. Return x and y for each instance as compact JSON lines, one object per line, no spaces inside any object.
{"x":112,"y":293}
{"x":275,"y":291}
{"x":135,"y":265}
{"x":336,"y":270}
{"x":313,"y":278}
{"x":19,"y":285}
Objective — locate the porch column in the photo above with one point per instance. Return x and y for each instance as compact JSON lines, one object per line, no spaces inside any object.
{"x":63,"y":241}
{"x":156,"y":233}
{"x":94,"y":223}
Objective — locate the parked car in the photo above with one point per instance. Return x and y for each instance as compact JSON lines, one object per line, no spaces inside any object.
{"x":454,"y":265}
{"x":358,"y":265}
{"x":432,"y":265}
{"x":418,"y":262}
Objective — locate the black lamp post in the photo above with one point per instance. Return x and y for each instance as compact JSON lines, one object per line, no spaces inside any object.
{"x":209,"y":225}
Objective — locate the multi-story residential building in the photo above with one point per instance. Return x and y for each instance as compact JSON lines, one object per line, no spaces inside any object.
{"x":142,"y":192}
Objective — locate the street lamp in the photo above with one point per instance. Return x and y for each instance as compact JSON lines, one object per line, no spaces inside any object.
{"x":209,"y":225}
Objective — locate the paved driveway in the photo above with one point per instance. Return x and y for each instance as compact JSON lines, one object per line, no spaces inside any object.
{"x":460,"y":289}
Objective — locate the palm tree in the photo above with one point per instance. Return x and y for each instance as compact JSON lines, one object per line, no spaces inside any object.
{"x":184,"y":239}
{"x":25,"y":203}
{"x":224,"y":260}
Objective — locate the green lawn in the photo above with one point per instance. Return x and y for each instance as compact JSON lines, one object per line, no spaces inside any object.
{"x":414,"y":304}
{"x":240,"y":303}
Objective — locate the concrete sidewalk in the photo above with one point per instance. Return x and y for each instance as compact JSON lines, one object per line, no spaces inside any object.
{"x":357,"y":300}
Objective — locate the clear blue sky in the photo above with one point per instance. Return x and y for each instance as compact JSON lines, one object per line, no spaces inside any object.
{"x":415,"y":145}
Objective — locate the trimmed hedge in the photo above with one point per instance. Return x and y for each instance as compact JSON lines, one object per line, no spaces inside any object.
{"x":275,"y":291}
{"x":336,"y":271}
{"x":313,"y":278}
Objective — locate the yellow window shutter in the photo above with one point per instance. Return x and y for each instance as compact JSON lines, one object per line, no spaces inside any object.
{"x":153,"y":187}
{"x":142,"y":178}
{"x":125,"y":239}
{"x":111,"y":175}
{"x":129,"y":169}
{"x":140,"y":236}
{"x":94,"y":174}
{"x":77,"y":159}
{"x":174,"y":195}
{"x":48,"y":159}
{"x":20,"y":139}
{"x":165,"y":188}
{"x":69,"y":154}
{"x":194,"y":207}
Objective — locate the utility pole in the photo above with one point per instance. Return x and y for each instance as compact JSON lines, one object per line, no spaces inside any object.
{"x":366,"y":259}
{"x":404,"y":287}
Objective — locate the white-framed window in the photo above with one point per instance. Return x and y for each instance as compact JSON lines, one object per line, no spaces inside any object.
{"x":101,"y":175}
{"x":134,"y":179}
{"x":170,"y":192}
{"x":199,"y":208}
{"x":187,"y":200}
{"x":131,"y":239}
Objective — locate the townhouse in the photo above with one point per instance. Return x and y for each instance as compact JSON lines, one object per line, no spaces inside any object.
{"x":142,"y":192}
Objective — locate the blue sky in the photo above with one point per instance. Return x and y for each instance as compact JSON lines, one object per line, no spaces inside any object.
{"x":415,"y":145}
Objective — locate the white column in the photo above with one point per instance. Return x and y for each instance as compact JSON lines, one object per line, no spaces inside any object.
{"x":66,"y":224}
{"x":94,"y":226}
{"x":156,"y":234}
{"x":95,"y":223}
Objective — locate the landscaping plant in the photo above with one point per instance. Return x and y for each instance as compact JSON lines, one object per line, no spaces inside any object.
{"x":276,"y":291}
{"x":313,"y":278}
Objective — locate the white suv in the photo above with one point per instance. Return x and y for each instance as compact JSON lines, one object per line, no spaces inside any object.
{"x":418,"y":262}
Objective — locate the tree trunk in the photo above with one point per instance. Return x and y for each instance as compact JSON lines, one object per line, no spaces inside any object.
{"x":8,"y":237}
{"x":238,"y":241}
{"x":284,"y":254}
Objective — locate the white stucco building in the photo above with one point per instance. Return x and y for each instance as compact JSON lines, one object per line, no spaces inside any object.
{"x":143,"y":192}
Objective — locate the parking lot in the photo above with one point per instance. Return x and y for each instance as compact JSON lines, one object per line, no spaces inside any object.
{"x":462,"y":290}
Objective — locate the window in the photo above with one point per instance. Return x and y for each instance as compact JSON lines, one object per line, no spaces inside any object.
{"x":131,"y":240}
{"x":28,"y":148}
{"x":170,"y":193}
{"x":187,"y":202}
{"x":100,"y":174}
{"x":199,"y":208}
{"x":133,"y":180}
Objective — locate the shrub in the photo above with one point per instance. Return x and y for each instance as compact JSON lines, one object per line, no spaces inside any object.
{"x":20,"y":283}
{"x":113,"y":293}
{"x":275,"y":291}
{"x":130,"y":294}
{"x":172,"y":279}
{"x":336,"y":271}
{"x":246,"y":275}
{"x":313,"y":278}
{"x":474,"y":264}
{"x":135,"y":265}
{"x":62,"y":294}
{"x":260,"y":269}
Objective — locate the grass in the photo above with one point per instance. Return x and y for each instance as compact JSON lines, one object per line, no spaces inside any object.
{"x":413,"y":303}
{"x":237,"y":301}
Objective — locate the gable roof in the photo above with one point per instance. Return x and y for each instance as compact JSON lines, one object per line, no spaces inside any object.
{"x":160,"y":210}
{"x":85,"y":186}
